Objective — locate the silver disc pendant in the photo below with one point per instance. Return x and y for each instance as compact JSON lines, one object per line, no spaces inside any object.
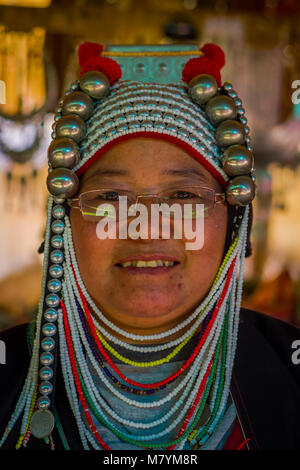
{"x":42,"y":423}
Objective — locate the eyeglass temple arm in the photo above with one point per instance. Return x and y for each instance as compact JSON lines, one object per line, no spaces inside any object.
{"x":73,"y":202}
{"x":222,"y":197}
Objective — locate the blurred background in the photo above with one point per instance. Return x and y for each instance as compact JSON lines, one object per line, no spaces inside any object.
{"x":38,"y":61}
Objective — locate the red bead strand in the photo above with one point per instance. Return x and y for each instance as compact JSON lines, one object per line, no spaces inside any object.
{"x":77,"y":380}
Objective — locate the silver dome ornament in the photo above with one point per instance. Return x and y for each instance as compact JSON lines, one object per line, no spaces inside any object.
{"x":46,"y":373}
{"x":50,"y":314}
{"x":232,"y":94}
{"x":202,"y":88}
{"x":75,"y":85}
{"x":47,"y":344}
{"x":54,"y":285}
{"x":63,"y":153}
{"x":52,"y":300}
{"x":46,"y":358}
{"x":237,"y":160}
{"x":56,"y":256}
{"x":57,"y":241}
{"x":56,"y":271}
{"x":62,"y":181}
{"x":78,"y":103}
{"x":58,"y":226}
{"x":49,"y":329}
{"x":71,"y":126}
{"x":43,"y":403}
{"x":240,"y":191}
{"x":45,"y":388}
{"x":220,"y":108}
{"x":227,"y":86}
{"x":95,"y":84}
{"x":58,"y":211}
{"x":229,"y":133}
{"x":243,"y":120}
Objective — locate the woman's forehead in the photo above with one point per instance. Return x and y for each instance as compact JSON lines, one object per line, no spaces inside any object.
{"x":156,"y":157}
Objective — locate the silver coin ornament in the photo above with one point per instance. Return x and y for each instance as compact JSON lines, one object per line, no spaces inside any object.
{"x":62,"y":181}
{"x":63,"y":153}
{"x":240,"y":191}
{"x":78,"y":103}
{"x":237,"y":160}
{"x":202,"y":88}
{"x":95,"y":84}
{"x":220,"y":108}
{"x":229,"y":133}
{"x":70,"y":126}
{"x":42,"y":423}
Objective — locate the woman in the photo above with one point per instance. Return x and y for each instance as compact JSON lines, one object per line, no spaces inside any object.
{"x":140,"y":341}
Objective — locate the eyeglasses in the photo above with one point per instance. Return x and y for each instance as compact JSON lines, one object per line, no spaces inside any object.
{"x":106,"y":202}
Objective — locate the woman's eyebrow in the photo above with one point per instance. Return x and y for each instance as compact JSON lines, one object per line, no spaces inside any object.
{"x":188,"y":172}
{"x":108,"y":172}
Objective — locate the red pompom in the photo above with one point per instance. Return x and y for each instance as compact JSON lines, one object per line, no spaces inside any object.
{"x":89,"y":57}
{"x":87,"y":50}
{"x":199,"y":65}
{"x":106,"y":65}
{"x":214,"y":53}
{"x":211,"y":63}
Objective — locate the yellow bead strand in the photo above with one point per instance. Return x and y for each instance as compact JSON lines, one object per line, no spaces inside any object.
{"x":22,"y":436}
{"x":144,"y":364}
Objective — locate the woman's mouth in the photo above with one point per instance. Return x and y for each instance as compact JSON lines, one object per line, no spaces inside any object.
{"x":147,"y":266}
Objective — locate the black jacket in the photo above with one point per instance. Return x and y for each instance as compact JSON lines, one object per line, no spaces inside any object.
{"x":265,"y":385}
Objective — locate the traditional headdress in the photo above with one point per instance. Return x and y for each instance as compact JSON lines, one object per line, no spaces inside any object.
{"x":166,"y":92}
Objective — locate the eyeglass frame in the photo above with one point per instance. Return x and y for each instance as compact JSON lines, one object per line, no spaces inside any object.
{"x":72,"y":201}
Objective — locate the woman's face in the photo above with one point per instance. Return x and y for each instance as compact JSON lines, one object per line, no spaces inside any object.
{"x":154,"y":299}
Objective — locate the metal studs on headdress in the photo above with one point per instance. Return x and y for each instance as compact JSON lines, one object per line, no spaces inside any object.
{"x":224,"y":110}
{"x":95,"y":84}
{"x":202,"y":88}
{"x":70,"y":129}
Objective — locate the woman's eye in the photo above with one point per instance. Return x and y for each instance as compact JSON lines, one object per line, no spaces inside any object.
{"x":182,"y":195}
{"x":109,"y":196}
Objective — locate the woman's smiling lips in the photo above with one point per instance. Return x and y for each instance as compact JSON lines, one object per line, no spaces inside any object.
{"x":150,"y":263}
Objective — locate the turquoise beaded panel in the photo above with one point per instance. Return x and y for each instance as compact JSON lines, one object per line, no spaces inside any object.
{"x":164,"y":69}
